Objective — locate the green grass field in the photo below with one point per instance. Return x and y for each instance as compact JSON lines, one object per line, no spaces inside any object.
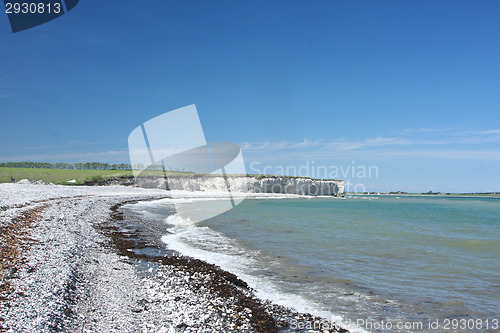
{"x":59,"y":176}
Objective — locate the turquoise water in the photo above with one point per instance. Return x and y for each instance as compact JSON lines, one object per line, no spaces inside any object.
{"x":398,"y":259}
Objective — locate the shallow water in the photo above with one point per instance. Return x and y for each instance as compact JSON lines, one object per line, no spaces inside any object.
{"x":407,"y":260}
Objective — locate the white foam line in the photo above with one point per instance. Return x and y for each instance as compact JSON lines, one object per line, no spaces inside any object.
{"x":240,"y":266}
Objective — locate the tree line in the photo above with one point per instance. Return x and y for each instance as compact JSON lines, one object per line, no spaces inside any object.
{"x":76,"y":166}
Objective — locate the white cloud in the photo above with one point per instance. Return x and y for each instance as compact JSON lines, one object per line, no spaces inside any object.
{"x":305,"y":144}
{"x":452,"y":147}
{"x":375,"y":154}
{"x":425,"y":130}
{"x":445,"y":154}
{"x":340,"y":144}
{"x":268,"y":146}
{"x":489,"y":132}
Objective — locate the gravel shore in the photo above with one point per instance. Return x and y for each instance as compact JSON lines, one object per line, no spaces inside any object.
{"x":67,"y":264}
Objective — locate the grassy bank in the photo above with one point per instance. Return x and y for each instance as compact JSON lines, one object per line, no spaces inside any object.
{"x":60,"y":176}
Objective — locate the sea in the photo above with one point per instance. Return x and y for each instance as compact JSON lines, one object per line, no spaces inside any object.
{"x":369,"y":263}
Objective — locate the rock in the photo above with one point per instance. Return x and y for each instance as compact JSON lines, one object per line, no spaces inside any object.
{"x":284,"y":185}
{"x":182,"y":325}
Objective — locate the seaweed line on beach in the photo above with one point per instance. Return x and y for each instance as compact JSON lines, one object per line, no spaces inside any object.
{"x":264,"y":315}
{"x":221,"y":283}
{"x":14,"y":241}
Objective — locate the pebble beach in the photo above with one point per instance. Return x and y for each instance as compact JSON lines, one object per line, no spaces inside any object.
{"x":70,"y":262}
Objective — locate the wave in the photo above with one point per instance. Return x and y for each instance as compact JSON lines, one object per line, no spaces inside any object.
{"x":201,"y":242}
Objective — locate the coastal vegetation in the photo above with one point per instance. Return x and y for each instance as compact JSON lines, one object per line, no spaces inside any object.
{"x":72,"y":166}
{"x":60,"y":176}
{"x":77,"y":176}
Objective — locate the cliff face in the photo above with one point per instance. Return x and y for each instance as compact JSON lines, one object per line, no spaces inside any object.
{"x":285,"y":185}
{"x":301,"y":186}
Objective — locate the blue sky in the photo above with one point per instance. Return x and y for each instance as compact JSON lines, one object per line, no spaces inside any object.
{"x":411,"y":87}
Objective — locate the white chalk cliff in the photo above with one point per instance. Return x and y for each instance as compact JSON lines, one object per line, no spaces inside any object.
{"x":285,"y":185}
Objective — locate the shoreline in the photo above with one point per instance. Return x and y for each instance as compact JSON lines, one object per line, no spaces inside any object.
{"x":81,"y":274}
{"x":235,"y":293}
{"x":424,"y":195}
